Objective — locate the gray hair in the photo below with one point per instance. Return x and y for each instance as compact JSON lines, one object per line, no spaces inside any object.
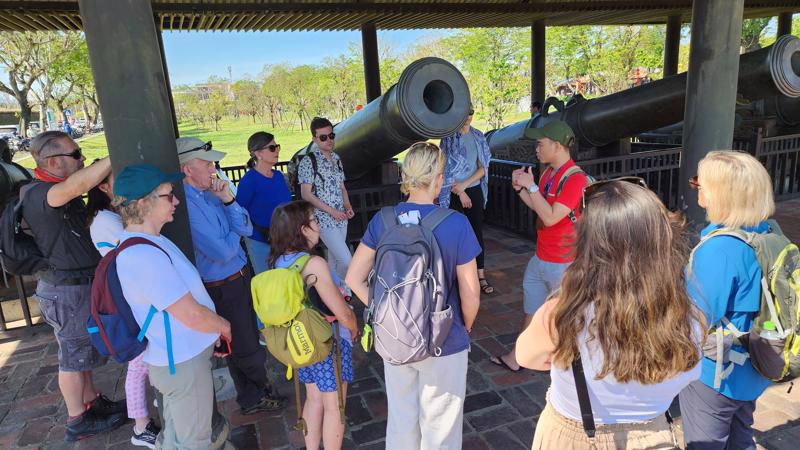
{"x":45,"y":143}
{"x":133,"y":212}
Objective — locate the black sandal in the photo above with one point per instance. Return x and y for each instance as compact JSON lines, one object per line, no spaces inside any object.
{"x":485,"y":286}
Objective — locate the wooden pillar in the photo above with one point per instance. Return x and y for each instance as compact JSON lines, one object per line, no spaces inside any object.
{"x":538,"y":46}
{"x":372,"y":73}
{"x":672,"y":45}
{"x":710,"y":90}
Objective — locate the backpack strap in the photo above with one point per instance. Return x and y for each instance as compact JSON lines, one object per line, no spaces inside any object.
{"x":168,"y":333}
{"x":573,"y":217}
{"x":300,"y":262}
{"x":389,"y":217}
{"x":130,"y":242}
{"x":436,"y":217}
{"x":583,"y":398}
{"x":337,"y":368}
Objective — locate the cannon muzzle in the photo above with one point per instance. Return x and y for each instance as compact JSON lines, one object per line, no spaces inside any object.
{"x":431,"y":100}
{"x":11,"y":175}
{"x":771,"y":71}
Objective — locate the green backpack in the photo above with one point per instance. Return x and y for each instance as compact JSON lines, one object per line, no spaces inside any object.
{"x":296,"y":334}
{"x":773,"y":343}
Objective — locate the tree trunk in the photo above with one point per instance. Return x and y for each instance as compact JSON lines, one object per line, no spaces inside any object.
{"x":43,"y":123}
{"x":24,"y":114}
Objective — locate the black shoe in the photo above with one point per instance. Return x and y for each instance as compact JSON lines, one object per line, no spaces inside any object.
{"x":89,"y":424}
{"x":265,"y":404}
{"x":146,"y":438}
{"x":273,"y":394}
{"x":102,"y":406}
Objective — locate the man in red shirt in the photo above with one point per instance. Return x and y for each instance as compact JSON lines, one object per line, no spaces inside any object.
{"x":555,"y":200}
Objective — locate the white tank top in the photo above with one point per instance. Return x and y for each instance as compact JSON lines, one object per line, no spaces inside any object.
{"x":612,"y":401}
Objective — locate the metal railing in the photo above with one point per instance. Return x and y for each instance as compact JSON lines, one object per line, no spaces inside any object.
{"x":781,"y":156}
{"x":660,"y":169}
{"x":365,"y":201}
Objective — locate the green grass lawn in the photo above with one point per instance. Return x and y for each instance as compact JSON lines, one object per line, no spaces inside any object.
{"x":231,"y":139}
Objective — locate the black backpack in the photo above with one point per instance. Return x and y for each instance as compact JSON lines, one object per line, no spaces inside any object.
{"x":19,"y":254}
{"x":294,"y":166}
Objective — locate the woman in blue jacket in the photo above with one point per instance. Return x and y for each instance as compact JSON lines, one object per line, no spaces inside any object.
{"x":725,"y":281}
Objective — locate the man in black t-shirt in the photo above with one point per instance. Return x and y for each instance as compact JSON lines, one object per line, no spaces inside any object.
{"x":57,"y":218}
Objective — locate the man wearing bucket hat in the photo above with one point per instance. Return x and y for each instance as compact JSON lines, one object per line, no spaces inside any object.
{"x":218,"y":223}
{"x":555,"y":200}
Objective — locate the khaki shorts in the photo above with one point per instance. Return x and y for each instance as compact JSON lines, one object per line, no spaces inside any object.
{"x":554,"y":431}
{"x":66,"y":309}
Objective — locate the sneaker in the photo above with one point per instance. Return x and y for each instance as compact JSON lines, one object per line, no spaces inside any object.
{"x":146,"y":438}
{"x":266,"y":403}
{"x":90,"y":424}
{"x":102,"y":406}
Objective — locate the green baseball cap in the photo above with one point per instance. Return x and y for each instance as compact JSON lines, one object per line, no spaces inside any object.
{"x":557,"y":131}
{"x":135,"y":182}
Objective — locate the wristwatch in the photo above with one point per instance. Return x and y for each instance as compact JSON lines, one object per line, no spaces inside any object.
{"x":230,"y":202}
{"x":533,"y":188}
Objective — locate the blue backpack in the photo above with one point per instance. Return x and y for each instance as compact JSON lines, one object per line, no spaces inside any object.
{"x":111,"y":325}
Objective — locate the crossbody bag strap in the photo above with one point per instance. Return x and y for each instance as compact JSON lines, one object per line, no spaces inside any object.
{"x":583,"y":398}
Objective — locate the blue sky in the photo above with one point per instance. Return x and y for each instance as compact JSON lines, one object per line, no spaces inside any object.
{"x":193,"y":56}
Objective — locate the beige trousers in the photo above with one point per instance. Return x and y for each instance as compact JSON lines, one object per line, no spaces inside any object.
{"x":426,"y":403}
{"x":554,"y":431}
{"x":188,"y":403}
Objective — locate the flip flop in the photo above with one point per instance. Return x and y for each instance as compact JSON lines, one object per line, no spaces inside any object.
{"x":498,"y":361}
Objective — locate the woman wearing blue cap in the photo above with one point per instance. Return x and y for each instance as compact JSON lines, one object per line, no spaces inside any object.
{"x":161,"y":276}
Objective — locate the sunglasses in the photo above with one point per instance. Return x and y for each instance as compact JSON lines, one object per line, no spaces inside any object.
{"x":205,"y":147}
{"x":471,"y":112}
{"x":592,"y":189}
{"x":325,"y":137}
{"x":272,"y":147}
{"x":170,"y":197}
{"x":75,"y":154}
{"x":694,"y":182}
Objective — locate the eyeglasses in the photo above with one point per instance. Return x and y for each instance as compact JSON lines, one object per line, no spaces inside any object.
{"x":170,"y":197}
{"x":591,"y":189}
{"x":75,"y":154}
{"x":205,"y":147}
{"x":471,"y":112}
{"x":325,"y":137}
{"x":694,"y":182}
{"x":272,"y":147}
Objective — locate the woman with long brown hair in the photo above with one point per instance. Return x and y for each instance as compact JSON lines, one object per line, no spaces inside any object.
{"x":622,"y":316}
{"x":293,"y":235}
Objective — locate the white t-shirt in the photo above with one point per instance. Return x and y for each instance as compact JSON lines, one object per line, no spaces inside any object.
{"x":105,"y":230}
{"x":148,"y":277}
{"x":612,"y":401}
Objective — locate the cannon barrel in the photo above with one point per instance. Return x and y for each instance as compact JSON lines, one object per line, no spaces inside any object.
{"x":430,"y":100}
{"x":774,"y":70}
{"x":11,"y":175}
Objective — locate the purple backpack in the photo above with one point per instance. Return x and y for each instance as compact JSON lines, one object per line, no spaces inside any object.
{"x":407,"y":310}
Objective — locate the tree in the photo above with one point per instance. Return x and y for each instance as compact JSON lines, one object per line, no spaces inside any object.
{"x":248,"y":99}
{"x":18,"y":51}
{"x":217,"y":105}
{"x":495,"y":66}
{"x":752,"y":32}
{"x":63,"y":60}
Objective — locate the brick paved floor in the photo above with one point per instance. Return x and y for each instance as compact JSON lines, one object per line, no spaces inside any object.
{"x":500,"y":411}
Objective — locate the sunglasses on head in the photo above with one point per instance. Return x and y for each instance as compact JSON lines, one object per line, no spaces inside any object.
{"x":325,"y":137}
{"x":592,"y":189}
{"x":205,"y":147}
{"x":694,"y":182}
{"x":75,"y":154}
{"x":271,"y":147}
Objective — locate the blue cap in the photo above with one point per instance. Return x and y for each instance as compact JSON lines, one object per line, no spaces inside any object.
{"x":135,"y":182}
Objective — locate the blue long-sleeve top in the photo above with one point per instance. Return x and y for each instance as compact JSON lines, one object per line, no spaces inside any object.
{"x":216,"y":233}
{"x":260,"y":196}
{"x":725,"y":281}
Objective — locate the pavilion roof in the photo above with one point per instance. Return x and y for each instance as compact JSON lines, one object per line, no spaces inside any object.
{"x":286,"y":15}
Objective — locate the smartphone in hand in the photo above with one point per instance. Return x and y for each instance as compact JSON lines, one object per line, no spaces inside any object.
{"x":224,"y":347}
